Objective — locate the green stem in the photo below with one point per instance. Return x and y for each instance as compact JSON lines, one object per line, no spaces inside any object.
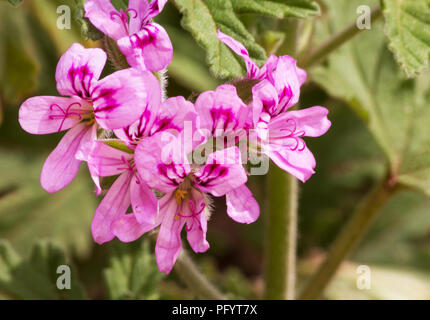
{"x":292,"y":29}
{"x":336,"y":41}
{"x":281,"y":205}
{"x":349,"y":238}
{"x":194,"y":279}
{"x":281,"y":233}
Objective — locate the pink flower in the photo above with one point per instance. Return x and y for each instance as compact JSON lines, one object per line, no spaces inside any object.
{"x":221,"y":113}
{"x":129,"y":188}
{"x":113,"y":102}
{"x":184,"y":187}
{"x":283,"y":139}
{"x":145,"y":44}
{"x":282,"y":72}
{"x":281,"y":131}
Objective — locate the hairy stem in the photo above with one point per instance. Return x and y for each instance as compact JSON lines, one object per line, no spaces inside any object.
{"x":349,"y":238}
{"x":194,"y":279}
{"x":116,"y":58}
{"x":336,"y":41}
{"x":281,"y":234}
{"x":281,"y":206}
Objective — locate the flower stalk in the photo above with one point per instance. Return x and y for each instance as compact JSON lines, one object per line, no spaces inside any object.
{"x":281,"y":215}
{"x":336,"y":41}
{"x":281,"y":234}
{"x":188,"y":272}
{"x":349,"y":238}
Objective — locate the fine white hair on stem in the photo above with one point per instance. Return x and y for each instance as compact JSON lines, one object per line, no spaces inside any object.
{"x":210,"y":206}
{"x":163,"y":79}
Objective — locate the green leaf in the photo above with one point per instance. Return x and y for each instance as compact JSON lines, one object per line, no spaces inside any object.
{"x":203,"y":19}
{"x":278,"y":9}
{"x":402,"y":237}
{"x":133,"y":272}
{"x":408,"y":30}
{"x":36,"y":277}
{"x":27,"y":212}
{"x":365,"y":75}
{"x":118,"y":144}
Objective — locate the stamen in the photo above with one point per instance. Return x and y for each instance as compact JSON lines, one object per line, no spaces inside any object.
{"x":65,"y":113}
{"x":129,"y":165}
{"x":180,"y":195}
{"x":292,"y":134}
{"x":194,"y":215}
{"x":123,"y":17}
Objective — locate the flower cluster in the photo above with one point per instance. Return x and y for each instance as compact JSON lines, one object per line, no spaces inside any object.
{"x":153,"y":150}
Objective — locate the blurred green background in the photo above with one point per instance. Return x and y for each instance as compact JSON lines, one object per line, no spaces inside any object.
{"x":39,"y":231}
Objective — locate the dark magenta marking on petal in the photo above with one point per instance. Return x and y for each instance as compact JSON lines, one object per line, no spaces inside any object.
{"x":162,"y":124}
{"x":225,"y":115}
{"x":81,"y":73}
{"x":153,"y":10}
{"x":147,"y":37}
{"x":141,"y":130}
{"x":108,"y":101}
{"x":171,"y":173}
{"x":285,"y":97}
{"x":269,"y":106}
{"x":210,"y":173}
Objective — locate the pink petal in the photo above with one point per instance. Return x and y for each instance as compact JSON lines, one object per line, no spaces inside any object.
{"x":78,"y":70}
{"x":312,"y":121}
{"x":122,"y":97}
{"x":240,"y":50}
{"x":102,"y":15}
{"x":138,"y":18}
{"x":222,"y":173}
{"x":108,"y":161}
{"x":148,"y":49}
{"x":145,"y":12}
{"x":300,"y":164}
{"x":173,"y":115}
{"x":241,"y":205}
{"x":169,"y":243}
{"x":222,"y":112}
{"x":287,"y":82}
{"x":198,"y":225}
{"x":265,"y":99}
{"x":159,"y":161}
{"x":143,"y":201}
{"x":142,"y":128}
{"x":61,"y":166}
{"x":83,"y":154}
{"x":126,"y":228}
{"x":266,"y":71}
{"x":42,"y":115}
{"x":113,"y":205}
